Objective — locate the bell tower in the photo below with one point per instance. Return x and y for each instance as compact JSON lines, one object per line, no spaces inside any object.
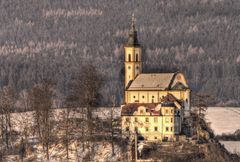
{"x":133,"y":55}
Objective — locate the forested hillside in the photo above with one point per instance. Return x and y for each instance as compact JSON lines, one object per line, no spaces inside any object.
{"x":51,"y":39}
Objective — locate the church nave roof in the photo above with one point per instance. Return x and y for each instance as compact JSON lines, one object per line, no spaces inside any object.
{"x":158,"y":81}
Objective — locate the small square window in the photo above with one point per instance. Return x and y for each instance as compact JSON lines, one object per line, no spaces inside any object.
{"x":133,"y":96}
{"x":166,"y":111}
{"x":135,"y":119}
{"x":155,"y":137}
{"x":147,"y":119}
{"x":127,"y":119}
{"x":171,"y":129}
{"x":136,"y":129}
{"x":146,"y":129}
{"x":127,"y":129}
{"x":152,"y":96}
{"x":141,"y":111}
{"x":155,"y":128}
{"x":171,"y":120}
{"x":142,"y":96}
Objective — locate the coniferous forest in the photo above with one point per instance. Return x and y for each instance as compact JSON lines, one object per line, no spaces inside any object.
{"x":52,"y":39}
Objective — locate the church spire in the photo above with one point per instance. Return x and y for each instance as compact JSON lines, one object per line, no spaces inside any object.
{"x":133,"y":55}
{"x":132,"y":35}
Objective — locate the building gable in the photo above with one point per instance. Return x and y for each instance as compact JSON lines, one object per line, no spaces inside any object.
{"x":179,"y":82}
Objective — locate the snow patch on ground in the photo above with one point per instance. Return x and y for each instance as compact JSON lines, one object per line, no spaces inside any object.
{"x":223,"y":119}
{"x":232,"y":146}
{"x":102,"y":151}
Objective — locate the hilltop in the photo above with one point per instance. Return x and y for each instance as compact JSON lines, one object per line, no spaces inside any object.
{"x":99,"y":148}
{"x":51,"y":39}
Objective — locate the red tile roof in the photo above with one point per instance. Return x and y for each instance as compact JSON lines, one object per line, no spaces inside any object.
{"x":167,"y":100}
{"x":129,"y":109}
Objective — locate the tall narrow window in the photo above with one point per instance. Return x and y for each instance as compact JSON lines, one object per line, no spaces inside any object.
{"x":129,"y":58}
{"x":146,"y":129}
{"x":167,"y":129}
{"x":136,"y":57}
{"x":167,"y":120}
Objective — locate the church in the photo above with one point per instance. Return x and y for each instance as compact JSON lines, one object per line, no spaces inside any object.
{"x":155,"y":104}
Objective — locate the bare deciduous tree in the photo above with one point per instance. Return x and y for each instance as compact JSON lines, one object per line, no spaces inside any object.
{"x":66,"y":127}
{"x":200,"y":102}
{"x":6,"y":106}
{"x":41,"y":102}
{"x":84,"y":93}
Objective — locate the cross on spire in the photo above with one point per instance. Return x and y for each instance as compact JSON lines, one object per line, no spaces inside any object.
{"x":133,"y":21}
{"x":132,"y":35}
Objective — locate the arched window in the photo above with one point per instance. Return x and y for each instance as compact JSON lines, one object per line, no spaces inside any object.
{"x":129,"y":58}
{"x":136,"y":57}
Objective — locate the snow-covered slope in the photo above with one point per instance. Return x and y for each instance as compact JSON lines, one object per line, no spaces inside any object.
{"x":223,"y":119}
